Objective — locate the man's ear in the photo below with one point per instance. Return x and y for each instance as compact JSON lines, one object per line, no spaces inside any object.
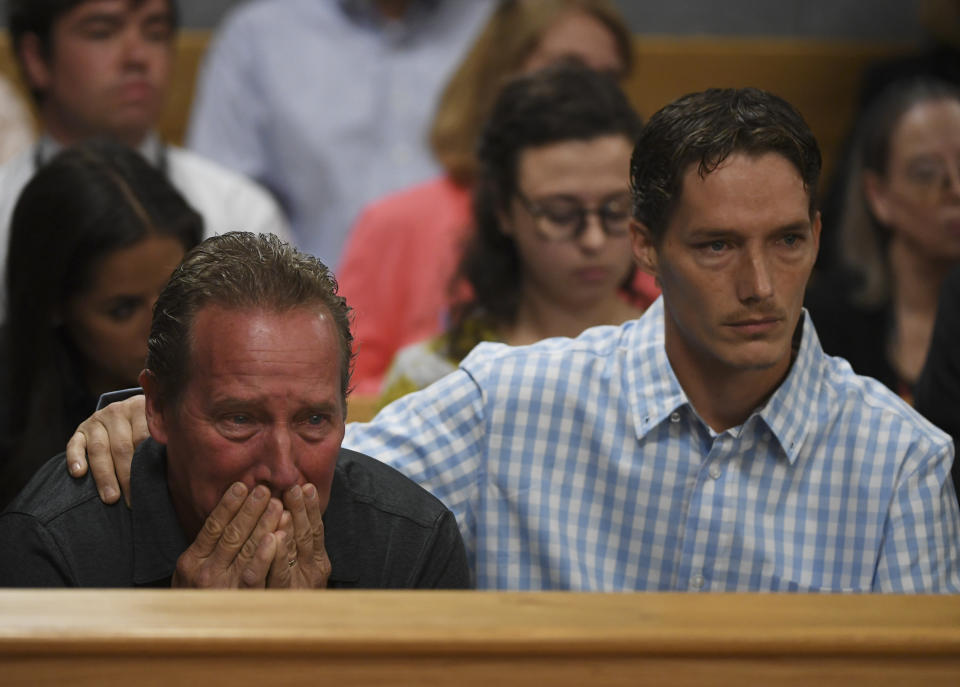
{"x":36,"y":69}
{"x":645,"y":249}
{"x":817,"y":227}
{"x":875,"y":191}
{"x":154,"y":408}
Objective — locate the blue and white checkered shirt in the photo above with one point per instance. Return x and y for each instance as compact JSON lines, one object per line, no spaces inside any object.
{"x":580,"y":464}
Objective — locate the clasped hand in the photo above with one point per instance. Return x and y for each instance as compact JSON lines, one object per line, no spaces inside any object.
{"x":252,"y":540}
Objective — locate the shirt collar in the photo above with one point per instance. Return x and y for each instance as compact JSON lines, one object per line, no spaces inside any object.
{"x":158,"y":539}
{"x":340,"y":533}
{"x":656,"y":393}
{"x":791,"y":410}
{"x":366,"y":12}
{"x":151,"y":148}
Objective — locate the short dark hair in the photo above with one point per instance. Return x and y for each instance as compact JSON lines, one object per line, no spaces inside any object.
{"x":37,"y":17}
{"x":239,"y":270}
{"x":704,"y":129}
{"x":563,"y":102}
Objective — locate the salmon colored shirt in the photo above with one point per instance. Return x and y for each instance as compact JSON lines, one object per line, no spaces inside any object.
{"x":400,"y":258}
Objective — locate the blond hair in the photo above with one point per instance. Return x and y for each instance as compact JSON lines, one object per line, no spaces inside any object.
{"x":509,"y":38}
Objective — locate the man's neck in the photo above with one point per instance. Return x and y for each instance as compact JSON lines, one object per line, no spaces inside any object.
{"x":723,"y":396}
{"x":66,"y":131}
{"x":392,"y":9}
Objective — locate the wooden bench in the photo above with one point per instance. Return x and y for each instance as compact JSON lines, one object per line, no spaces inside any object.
{"x":342,"y":639}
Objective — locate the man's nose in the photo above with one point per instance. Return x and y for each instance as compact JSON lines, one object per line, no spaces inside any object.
{"x":134,"y":48}
{"x":755,"y":282}
{"x":281,"y":459}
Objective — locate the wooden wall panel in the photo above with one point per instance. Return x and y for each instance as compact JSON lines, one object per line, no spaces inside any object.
{"x":820,"y":77}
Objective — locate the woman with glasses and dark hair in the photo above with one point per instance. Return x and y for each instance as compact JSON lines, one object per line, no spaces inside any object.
{"x":551,"y":255}
{"x":404,"y":248}
{"x":899,"y":235}
{"x":94,"y":237}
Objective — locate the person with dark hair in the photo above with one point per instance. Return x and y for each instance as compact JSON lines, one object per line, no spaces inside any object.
{"x":101,"y":69}
{"x":898,"y":235}
{"x":404,"y":249}
{"x":94,"y":237}
{"x":938,"y":388}
{"x":243,"y":483}
{"x":709,"y":444}
{"x":551,"y":252}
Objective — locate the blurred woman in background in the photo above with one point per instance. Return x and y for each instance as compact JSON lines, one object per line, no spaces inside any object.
{"x":899,"y":235}
{"x":404,"y":249}
{"x":94,"y":237}
{"x":551,"y":254}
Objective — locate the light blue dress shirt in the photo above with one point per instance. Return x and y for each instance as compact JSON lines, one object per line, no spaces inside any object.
{"x":327,"y":104}
{"x":580,"y":464}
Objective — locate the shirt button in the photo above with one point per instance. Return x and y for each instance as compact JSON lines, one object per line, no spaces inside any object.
{"x":696,"y":582}
{"x":674,"y":417}
{"x":715,"y":471}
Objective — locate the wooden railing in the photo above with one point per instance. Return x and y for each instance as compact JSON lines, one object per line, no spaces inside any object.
{"x":341,"y":639}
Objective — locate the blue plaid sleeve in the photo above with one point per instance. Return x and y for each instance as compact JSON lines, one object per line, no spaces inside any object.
{"x":436,"y":437}
{"x":922,"y":535}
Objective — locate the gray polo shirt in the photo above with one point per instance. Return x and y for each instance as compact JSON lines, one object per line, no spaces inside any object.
{"x":382,"y":530}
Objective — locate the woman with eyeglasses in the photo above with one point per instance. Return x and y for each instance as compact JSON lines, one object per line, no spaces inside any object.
{"x":551,"y":255}
{"x":899,"y":235}
{"x":404,"y":248}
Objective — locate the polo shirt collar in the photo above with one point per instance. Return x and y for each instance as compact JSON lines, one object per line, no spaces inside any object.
{"x":158,"y":539}
{"x":340,"y":534}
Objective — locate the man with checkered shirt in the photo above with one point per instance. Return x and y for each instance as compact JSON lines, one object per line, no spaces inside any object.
{"x":710,"y":444}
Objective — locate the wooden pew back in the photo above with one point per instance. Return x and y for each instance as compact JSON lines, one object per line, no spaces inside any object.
{"x":474,"y":639}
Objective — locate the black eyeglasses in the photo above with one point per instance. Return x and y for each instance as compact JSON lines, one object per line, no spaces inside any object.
{"x":562,"y":218}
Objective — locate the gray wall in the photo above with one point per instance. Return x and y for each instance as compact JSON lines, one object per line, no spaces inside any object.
{"x":854,"y":19}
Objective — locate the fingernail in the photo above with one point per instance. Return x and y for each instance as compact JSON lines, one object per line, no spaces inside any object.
{"x":108,"y":493}
{"x":74,"y":468}
{"x":260,"y":492}
{"x":295,"y":491}
{"x":310,"y":492}
{"x":237,"y":489}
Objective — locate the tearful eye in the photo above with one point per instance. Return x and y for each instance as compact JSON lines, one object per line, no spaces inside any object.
{"x":239,"y":419}
{"x":315,"y":419}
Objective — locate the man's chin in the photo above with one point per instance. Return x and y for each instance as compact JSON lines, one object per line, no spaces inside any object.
{"x":758,"y":356}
